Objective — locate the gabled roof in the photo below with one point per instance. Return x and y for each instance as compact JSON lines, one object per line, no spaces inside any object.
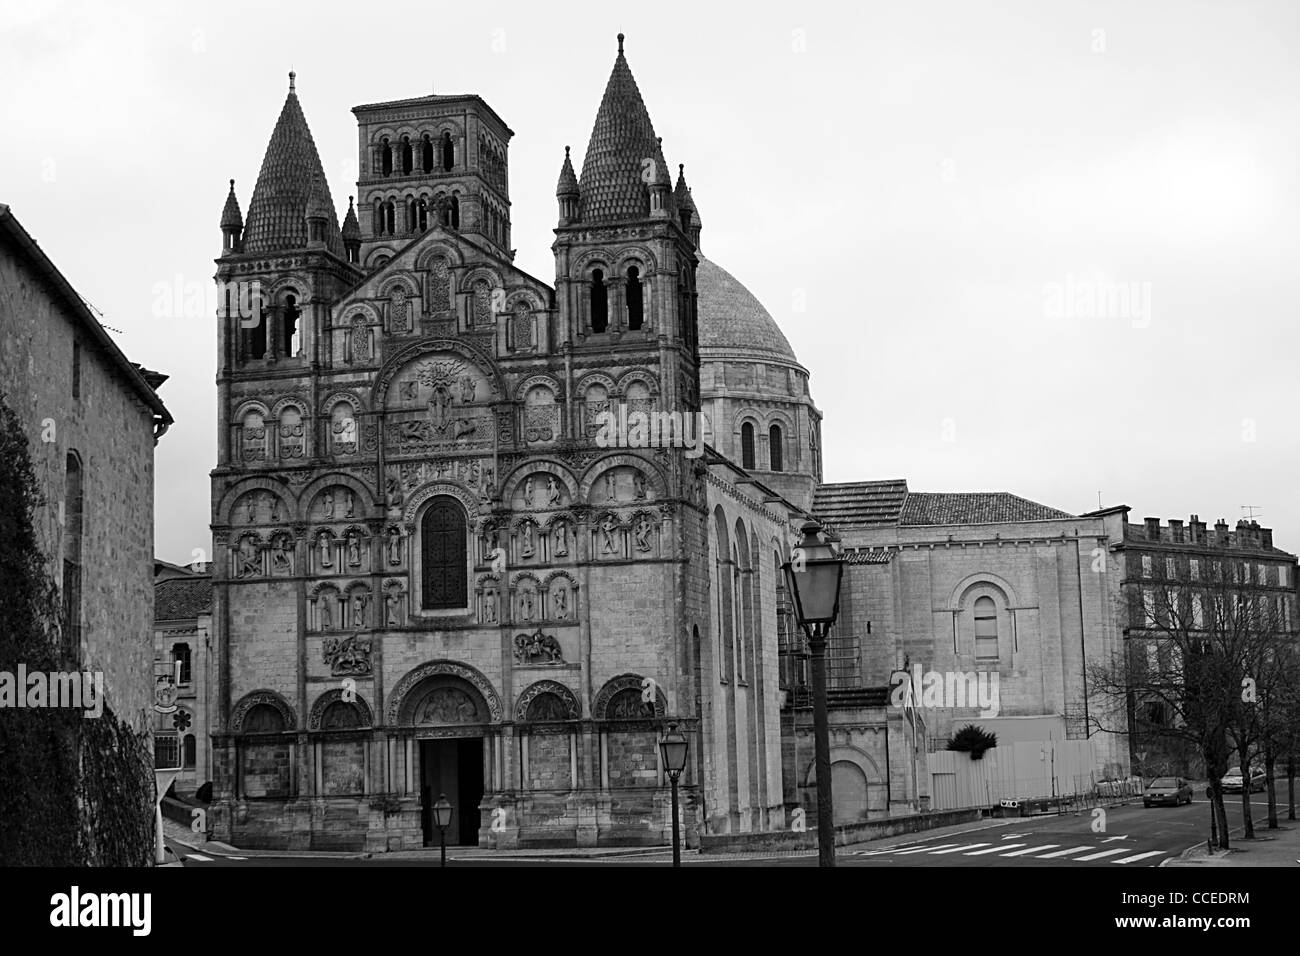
{"x":291,"y":177}
{"x":985,"y":507}
{"x":883,"y":503}
{"x":182,"y":599}
{"x":12,"y":231}
{"x":622,"y":139}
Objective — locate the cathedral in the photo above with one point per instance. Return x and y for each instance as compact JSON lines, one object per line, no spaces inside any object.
{"x":435,"y":576}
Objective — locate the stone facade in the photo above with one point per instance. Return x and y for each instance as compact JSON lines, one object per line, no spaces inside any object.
{"x":431,"y":573}
{"x":183,"y":636}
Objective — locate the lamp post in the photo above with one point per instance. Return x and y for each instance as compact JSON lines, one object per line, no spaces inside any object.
{"x":813,"y":577}
{"x":442,"y":820}
{"x":674,"y":748}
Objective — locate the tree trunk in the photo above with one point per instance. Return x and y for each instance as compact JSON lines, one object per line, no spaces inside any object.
{"x":1290,"y":787}
{"x":1222,"y":810}
{"x":1269,"y":761}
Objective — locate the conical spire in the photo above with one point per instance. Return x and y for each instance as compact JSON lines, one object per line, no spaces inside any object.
{"x":622,"y":145}
{"x":351,"y":228}
{"x":682,"y":193}
{"x":568,"y":185}
{"x":291,"y":175}
{"x":231,"y":217}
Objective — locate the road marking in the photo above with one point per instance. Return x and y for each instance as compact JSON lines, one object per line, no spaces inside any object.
{"x":1098,"y":856}
{"x":1139,"y":856}
{"x":927,"y":848}
{"x":200,"y":857}
{"x":968,"y":846}
{"x":996,"y":849}
{"x":1033,"y":849}
{"x":1052,"y":856}
{"x":1112,"y":839}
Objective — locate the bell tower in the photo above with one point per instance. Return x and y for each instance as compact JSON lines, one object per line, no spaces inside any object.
{"x":432,"y":161}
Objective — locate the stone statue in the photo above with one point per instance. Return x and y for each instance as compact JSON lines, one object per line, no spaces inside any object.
{"x":326,"y":547}
{"x":643,"y":529}
{"x":467,"y":387}
{"x":394,"y":545}
{"x":326,"y":615}
{"x":392,"y":602}
{"x":329,"y":504}
{"x":552,"y":491}
{"x":638,"y":481}
{"x":354,"y":550}
{"x":347,"y":655}
{"x":351,"y":503}
{"x":359,"y":610}
{"x":562,"y":538}
{"x":607,"y":528}
{"x":250,"y":559}
{"x":528,"y":492}
{"x":394,"y":492}
{"x":275,"y":508}
{"x":526,"y":547}
{"x":526,"y":604}
{"x":280,"y":559}
{"x":610,"y":489}
{"x":560,"y":596}
{"x":250,"y":510}
{"x":490,"y":607}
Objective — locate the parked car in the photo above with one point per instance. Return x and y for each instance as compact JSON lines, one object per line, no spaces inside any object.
{"x":1232,"y":780}
{"x":1173,"y":790}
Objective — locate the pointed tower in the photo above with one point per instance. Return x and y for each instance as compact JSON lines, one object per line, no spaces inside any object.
{"x":625,"y":265}
{"x":566,"y":191}
{"x":352,"y":234}
{"x":232,"y":223}
{"x":279,"y":271}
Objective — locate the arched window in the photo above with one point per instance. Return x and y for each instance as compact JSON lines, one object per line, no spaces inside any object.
{"x":774,"y":446}
{"x":390,"y":218}
{"x":747,"y":445}
{"x":190,"y":749}
{"x":263,"y":719}
{"x":448,"y":152}
{"x":443,"y":556}
{"x":73,"y":494}
{"x":292,"y":436}
{"x":257,"y":336}
{"x":635,"y":314}
{"x":426,"y":154}
{"x":407,"y":156}
{"x":986,"y":629}
{"x":181,"y":655}
{"x":455,"y":212}
{"x":599,"y":302}
{"x":422,"y":215}
{"x":343,"y":430}
{"x":386,"y":157}
{"x":290,"y":336}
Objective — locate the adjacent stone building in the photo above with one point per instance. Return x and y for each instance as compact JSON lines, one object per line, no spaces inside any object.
{"x":92,"y":419}
{"x":183,"y":638}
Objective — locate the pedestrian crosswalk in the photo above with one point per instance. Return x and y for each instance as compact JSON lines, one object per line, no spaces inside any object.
{"x":1021,"y":851}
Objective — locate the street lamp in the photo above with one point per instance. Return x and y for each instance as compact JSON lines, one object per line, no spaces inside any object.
{"x":673,"y":748}
{"x":813,"y":577}
{"x":442,"y":820}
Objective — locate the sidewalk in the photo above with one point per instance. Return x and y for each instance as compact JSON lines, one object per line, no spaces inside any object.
{"x":1280,"y":847}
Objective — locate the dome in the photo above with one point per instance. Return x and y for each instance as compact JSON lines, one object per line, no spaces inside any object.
{"x":733,"y":320}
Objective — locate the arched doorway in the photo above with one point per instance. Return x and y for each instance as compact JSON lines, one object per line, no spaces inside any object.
{"x":848,"y":792}
{"x":449,"y":715}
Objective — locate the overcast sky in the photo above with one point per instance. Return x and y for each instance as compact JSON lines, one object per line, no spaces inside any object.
{"x":1048,"y":248}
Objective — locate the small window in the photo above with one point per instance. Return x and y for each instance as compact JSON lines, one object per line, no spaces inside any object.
{"x":455,"y":212}
{"x":426,"y":154}
{"x":986,"y":629}
{"x":407,"y":156}
{"x":291,"y":339}
{"x":72,"y":535}
{"x":448,"y":152}
{"x":1171,"y":569}
{"x":1146,"y":565}
{"x":599,"y":302}
{"x":1194,"y":569}
{"x":386,"y":157}
{"x":635,"y":306}
{"x":774,"y":447}
{"x":189,"y":751}
{"x":747,"y":445}
{"x":181,"y":655}
{"x":76,"y":370}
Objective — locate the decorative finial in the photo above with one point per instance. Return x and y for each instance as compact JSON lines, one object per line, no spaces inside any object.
{"x":291,"y":79}
{"x":681,"y":169}
{"x":620,"y":44}
{"x":566,"y":152}
{"x":232,"y":185}
{"x":349,"y":202}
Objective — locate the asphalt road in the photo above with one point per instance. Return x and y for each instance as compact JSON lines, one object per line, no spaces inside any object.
{"x":1131,"y":836}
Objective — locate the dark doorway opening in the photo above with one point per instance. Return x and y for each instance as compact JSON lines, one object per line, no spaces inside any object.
{"x":454,"y":768}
